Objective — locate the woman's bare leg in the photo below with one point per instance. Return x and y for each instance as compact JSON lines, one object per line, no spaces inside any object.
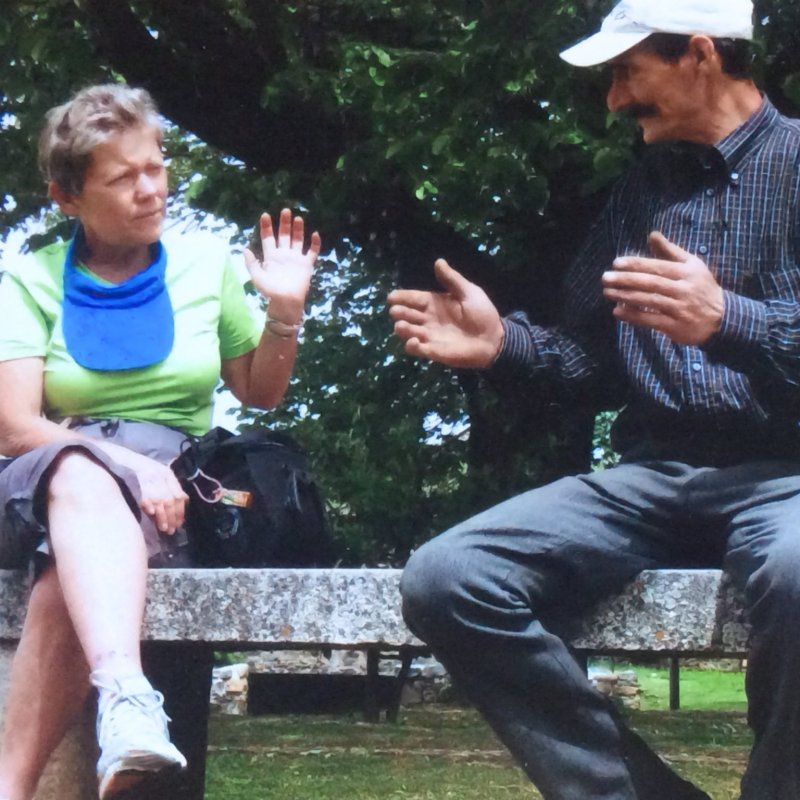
{"x":84,"y":615}
{"x":101,"y":562}
{"x":103,"y":576}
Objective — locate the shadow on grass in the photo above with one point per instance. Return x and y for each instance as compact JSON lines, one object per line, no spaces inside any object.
{"x":434,"y":753}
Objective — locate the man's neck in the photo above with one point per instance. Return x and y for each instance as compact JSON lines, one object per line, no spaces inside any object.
{"x":729,"y":109}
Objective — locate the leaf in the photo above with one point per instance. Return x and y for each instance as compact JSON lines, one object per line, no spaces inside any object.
{"x":384,"y":58}
{"x":791,"y":86}
{"x":394,"y":148}
{"x":440,"y":143}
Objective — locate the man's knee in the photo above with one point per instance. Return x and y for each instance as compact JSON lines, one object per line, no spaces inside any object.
{"x":459,"y":584}
{"x":773,"y":588}
{"x":778,"y":579}
{"x":431,"y":581}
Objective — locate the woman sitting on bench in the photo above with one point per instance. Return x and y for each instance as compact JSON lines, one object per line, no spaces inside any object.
{"x":111,"y":346}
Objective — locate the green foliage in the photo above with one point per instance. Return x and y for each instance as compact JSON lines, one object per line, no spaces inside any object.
{"x":456,"y":112}
{"x":403,"y":131}
{"x":45,"y":53}
{"x":603,"y":454}
{"x":366,"y":413}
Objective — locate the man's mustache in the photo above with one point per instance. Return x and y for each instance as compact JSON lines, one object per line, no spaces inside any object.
{"x":641,"y":110}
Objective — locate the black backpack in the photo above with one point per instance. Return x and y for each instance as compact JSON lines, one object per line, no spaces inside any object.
{"x":252,"y":502}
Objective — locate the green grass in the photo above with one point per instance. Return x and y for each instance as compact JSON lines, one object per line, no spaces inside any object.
{"x":447,"y":752}
{"x":708,"y":747}
{"x":432,"y":754}
{"x":699,"y":688}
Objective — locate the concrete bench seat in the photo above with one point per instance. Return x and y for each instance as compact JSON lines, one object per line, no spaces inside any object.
{"x":192,"y":613}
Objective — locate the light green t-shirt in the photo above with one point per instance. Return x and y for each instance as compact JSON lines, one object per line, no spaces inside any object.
{"x":212,"y":322}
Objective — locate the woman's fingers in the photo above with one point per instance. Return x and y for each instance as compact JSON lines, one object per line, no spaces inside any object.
{"x":290,"y":235}
{"x":164,"y":501}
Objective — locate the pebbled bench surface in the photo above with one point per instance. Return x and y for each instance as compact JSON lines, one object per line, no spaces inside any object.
{"x":669,"y":611}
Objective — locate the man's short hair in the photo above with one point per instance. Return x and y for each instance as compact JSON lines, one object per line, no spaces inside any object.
{"x":91,"y":117}
{"x":736,"y":54}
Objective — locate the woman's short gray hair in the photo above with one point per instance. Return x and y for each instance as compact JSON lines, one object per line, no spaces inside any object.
{"x":92,"y":116}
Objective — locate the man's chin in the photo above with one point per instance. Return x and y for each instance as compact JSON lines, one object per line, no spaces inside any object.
{"x":651,"y":134}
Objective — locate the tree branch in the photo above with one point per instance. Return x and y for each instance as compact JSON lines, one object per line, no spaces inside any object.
{"x":214,"y":91}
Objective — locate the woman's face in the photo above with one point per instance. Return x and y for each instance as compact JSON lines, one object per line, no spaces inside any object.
{"x":124,"y":194}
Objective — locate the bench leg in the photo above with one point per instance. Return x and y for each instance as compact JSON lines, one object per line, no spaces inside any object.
{"x":582,"y":657}
{"x":182,"y":671}
{"x":674,"y":683}
{"x":371,"y":691}
{"x":402,"y":676}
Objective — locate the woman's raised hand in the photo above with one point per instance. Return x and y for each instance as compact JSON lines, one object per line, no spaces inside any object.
{"x":284,"y":274}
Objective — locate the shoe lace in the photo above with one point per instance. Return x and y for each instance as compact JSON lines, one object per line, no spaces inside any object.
{"x":120,"y":708}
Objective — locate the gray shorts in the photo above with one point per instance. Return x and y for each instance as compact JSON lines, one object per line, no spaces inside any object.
{"x":24,"y":481}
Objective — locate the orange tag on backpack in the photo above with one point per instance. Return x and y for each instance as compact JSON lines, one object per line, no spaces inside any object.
{"x":234,"y":497}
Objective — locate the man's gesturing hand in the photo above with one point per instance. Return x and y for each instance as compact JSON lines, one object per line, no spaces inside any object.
{"x":459,"y":327}
{"x":674,"y":293}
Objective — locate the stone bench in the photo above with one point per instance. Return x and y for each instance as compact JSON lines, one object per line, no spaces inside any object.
{"x":192,"y":613}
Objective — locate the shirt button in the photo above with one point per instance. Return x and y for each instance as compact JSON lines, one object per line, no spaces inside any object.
{"x":734,"y":177}
{"x":703,"y":250}
{"x":710,"y":192}
{"x":697,"y":366}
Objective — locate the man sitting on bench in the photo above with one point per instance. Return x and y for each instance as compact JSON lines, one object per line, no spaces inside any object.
{"x":684,"y":302}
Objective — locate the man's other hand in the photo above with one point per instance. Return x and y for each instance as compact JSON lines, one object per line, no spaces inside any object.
{"x":674,"y":293}
{"x":459,"y":327}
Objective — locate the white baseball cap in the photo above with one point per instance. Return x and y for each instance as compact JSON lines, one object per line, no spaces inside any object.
{"x":632,"y":21}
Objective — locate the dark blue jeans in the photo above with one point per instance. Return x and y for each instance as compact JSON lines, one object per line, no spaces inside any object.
{"x":495,"y":597}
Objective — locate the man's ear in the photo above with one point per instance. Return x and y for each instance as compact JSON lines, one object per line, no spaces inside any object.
{"x":66,"y":202}
{"x":702,"y":49}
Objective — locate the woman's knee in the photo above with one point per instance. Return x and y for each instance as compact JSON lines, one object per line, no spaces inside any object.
{"x":77,"y":476}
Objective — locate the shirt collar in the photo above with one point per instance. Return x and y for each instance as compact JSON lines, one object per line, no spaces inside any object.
{"x":740,"y":142}
{"x":682,"y":166}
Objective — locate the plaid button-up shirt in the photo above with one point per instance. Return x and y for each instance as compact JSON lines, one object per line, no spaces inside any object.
{"x":737,"y":207}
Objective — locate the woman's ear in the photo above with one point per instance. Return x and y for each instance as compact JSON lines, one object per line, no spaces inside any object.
{"x":66,"y":202}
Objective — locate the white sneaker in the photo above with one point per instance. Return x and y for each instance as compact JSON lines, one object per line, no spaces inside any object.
{"x":132,"y":733}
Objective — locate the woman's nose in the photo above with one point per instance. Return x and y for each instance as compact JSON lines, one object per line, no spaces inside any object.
{"x":145,"y":184}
